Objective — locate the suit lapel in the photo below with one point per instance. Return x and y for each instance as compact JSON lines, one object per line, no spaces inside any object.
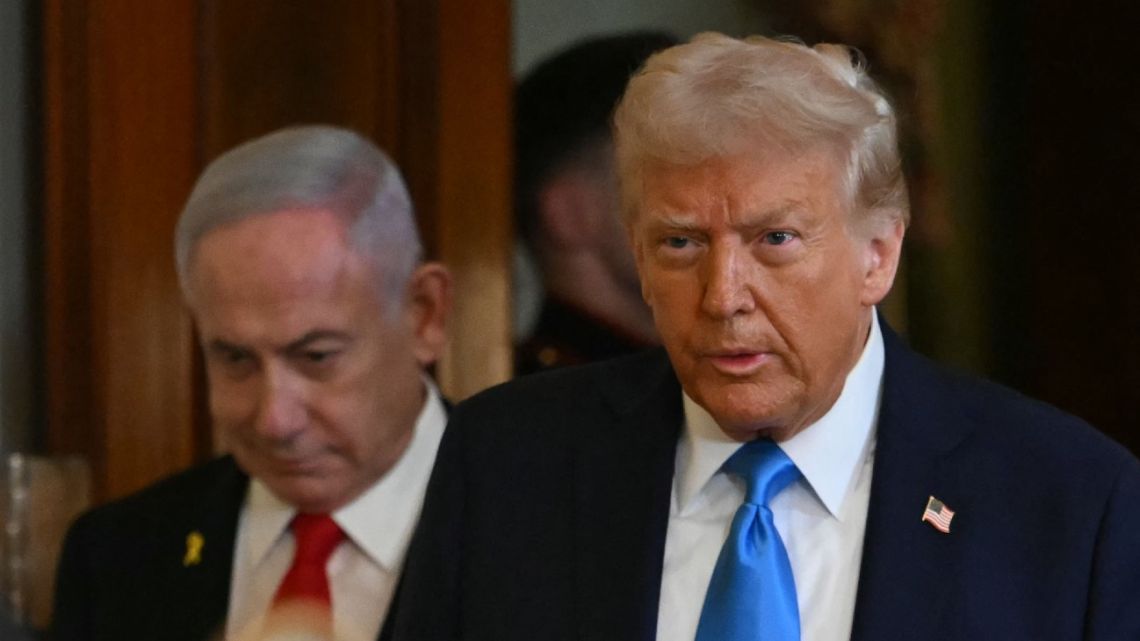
{"x":907,"y":564}
{"x":200,"y":584}
{"x":623,"y":480}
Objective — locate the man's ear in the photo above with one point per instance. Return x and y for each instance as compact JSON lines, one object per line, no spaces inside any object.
{"x":883,"y":249}
{"x":427,"y":309}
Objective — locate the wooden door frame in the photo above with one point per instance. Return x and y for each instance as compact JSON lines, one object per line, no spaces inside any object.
{"x":125,"y":127}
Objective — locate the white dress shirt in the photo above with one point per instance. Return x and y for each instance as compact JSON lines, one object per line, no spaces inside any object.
{"x":821,"y":517}
{"x":364,"y":570}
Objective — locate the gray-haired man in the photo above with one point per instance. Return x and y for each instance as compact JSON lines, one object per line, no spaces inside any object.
{"x":299,"y":260}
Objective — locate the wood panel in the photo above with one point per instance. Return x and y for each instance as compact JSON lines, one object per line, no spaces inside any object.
{"x":271,"y":64}
{"x":1078,"y":212}
{"x":120,"y":157}
{"x":139,"y":95}
{"x":467,"y":108}
{"x":71,"y":402}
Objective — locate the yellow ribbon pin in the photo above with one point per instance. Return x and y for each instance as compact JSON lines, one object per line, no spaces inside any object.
{"x":194,"y":543}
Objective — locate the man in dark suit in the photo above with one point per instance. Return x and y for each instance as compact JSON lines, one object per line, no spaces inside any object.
{"x":299,"y":260}
{"x":785,"y":468}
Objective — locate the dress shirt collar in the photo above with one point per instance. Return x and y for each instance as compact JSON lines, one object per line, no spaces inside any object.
{"x":393,"y":501}
{"x":826,"y":452}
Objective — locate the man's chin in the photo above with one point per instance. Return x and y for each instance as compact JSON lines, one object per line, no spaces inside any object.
{"x":305,"y":496}
{"x":746,"y":417}
{"x":306,"y":490}
{"x":746,"y":433}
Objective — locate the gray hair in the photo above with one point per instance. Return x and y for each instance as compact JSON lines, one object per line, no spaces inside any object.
{"x":717,"y":96}
{"x":311,"y":167}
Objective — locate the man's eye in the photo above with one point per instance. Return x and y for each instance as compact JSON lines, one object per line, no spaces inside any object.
{"x":234,"y":357}
{"x":778,"y":237}
{"x":232,"y":361}
{"x":314,"y":356}
{"x":677,"y":242}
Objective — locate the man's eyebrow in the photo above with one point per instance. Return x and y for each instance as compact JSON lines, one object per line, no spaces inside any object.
{"x":219,"y":345}
{"x":770,"y":216}
{"x":317,"y":335}
{"x":676,"y":221}
{"x":774,"y":214}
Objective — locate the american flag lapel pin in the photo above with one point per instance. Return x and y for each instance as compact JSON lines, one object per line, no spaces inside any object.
{"x":938,"y":515}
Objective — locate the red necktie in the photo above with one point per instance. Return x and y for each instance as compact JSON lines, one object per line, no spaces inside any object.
{"x":317,"y":535}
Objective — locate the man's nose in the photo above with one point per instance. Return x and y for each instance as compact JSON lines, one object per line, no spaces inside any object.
{"x":281,"y":411}
{"x":726,"y":289}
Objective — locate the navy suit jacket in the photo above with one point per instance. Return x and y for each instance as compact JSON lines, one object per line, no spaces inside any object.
{"x":547,"y":511}
{"x":125,"y":574}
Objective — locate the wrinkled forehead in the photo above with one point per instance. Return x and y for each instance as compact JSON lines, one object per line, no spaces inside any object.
{"x":645,"y":180}
{"x":298,"y":251}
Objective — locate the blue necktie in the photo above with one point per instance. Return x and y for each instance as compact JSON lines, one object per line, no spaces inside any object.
{"x":752,"y":593}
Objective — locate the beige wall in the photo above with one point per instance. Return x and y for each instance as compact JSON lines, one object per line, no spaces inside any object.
{"x":543,"y":26}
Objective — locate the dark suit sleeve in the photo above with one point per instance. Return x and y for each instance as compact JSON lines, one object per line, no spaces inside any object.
{"x":428,"y":607}
{"x":1114,"y":597}
{"x":71,"y":616}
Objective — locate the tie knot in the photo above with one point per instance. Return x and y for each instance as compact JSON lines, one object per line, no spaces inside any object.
{"x":765,"y":468}
{"x":317,"y":535}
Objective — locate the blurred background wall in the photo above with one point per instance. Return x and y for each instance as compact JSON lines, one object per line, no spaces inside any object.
{"x":17,"y":229}
{"x":1022,"y":141}
{"x":541,"y":27}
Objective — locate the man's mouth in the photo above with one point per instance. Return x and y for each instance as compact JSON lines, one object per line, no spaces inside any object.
{"x":292,"y":466}
{"x":738,"y":362}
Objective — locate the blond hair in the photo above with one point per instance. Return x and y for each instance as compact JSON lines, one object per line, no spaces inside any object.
{"x":717,"y":96}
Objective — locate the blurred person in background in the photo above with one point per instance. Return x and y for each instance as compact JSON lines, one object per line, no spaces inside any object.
{"x":567,"y":204}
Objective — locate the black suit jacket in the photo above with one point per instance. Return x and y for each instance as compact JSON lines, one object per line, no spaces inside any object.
{"x":124,"y":574}
{"x":547,"y":511}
